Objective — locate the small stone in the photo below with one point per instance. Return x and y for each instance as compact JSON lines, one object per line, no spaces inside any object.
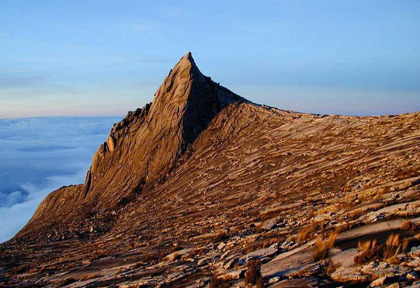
{"x":413,"y":275}
{"x":228,"y":264}
{"x":221,"y":246}
{"x":224,"y":255}
{"x":202,"y":261}
{"x":274,"y":280}
{"x":415,"y":251}
{"x":414,"y":263}
{"x":379,"y":282}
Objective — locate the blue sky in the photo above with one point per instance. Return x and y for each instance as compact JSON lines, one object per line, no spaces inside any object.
{"x":107,"y":57}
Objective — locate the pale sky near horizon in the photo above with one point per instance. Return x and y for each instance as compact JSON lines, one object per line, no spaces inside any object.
{"x":103,"y":57}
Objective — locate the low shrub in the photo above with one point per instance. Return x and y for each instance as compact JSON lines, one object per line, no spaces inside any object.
{"x":408,"y":226}
{"x":218,"y":283}
{"x":389,"y":250}
{"x":323,"y":246}
{"x":305,"y":232}
{"x":253,"y":273}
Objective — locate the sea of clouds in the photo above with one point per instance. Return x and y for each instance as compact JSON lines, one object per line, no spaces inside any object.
{"x":39,"y":155}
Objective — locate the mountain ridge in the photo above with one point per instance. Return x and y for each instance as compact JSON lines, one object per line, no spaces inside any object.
{"x":182,"y":108}
{"x":202,"y":181}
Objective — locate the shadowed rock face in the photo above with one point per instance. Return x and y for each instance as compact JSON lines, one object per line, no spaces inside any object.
{"x":222,"y":180}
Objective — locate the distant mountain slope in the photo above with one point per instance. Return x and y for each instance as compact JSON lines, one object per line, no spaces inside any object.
{"x":220,"y":180}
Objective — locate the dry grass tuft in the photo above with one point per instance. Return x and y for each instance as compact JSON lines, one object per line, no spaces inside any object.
{"x":253,"y":274}
{"x":342,"y":227}
{"x":330,"y":268}
{"x":389,"y":250}
{"x":305,"y":232}
{"x":218,"y":283}
{"x":393,"y":240}
{"x":323,"y":246}
{"x":394,"y":260}
{"x":392,"y":246}
{"x":260,"y":283}
{"x":408,"y":226}
{"x":367,"y":245}
{"x":369,"y":249}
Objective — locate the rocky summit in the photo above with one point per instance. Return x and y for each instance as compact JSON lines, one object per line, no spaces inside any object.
{"x":203,"y":188}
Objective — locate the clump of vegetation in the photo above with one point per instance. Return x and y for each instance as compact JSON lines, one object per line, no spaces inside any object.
{"x":408,"y":226}
{"x":369,"y":250}
{"x":323,"y":246}
{"x":218,"y":283}
{"x":253,"y":273}
{"x":305,"y":233}
{"x":330,"y":268}
{"x":367,"y":245}
{"x":260,"y":283}
{"x":372,"y":250}
{"x":342,"y":227}
{"x":392,"y":246}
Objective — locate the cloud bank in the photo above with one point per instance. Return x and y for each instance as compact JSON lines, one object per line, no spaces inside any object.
{"x":39,"y":155}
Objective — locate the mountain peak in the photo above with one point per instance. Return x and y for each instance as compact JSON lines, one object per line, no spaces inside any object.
{"x":187,"y":101}
{"x":186,"y":63}
{"x":188,"y":56}
{"x":183,"y":107}
{"x":141,"y":150}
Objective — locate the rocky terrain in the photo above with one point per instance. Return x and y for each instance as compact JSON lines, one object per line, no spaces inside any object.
{"x":202,"y":188}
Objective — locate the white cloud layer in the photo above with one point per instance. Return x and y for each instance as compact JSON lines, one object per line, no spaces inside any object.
{"x":39,"y":155}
